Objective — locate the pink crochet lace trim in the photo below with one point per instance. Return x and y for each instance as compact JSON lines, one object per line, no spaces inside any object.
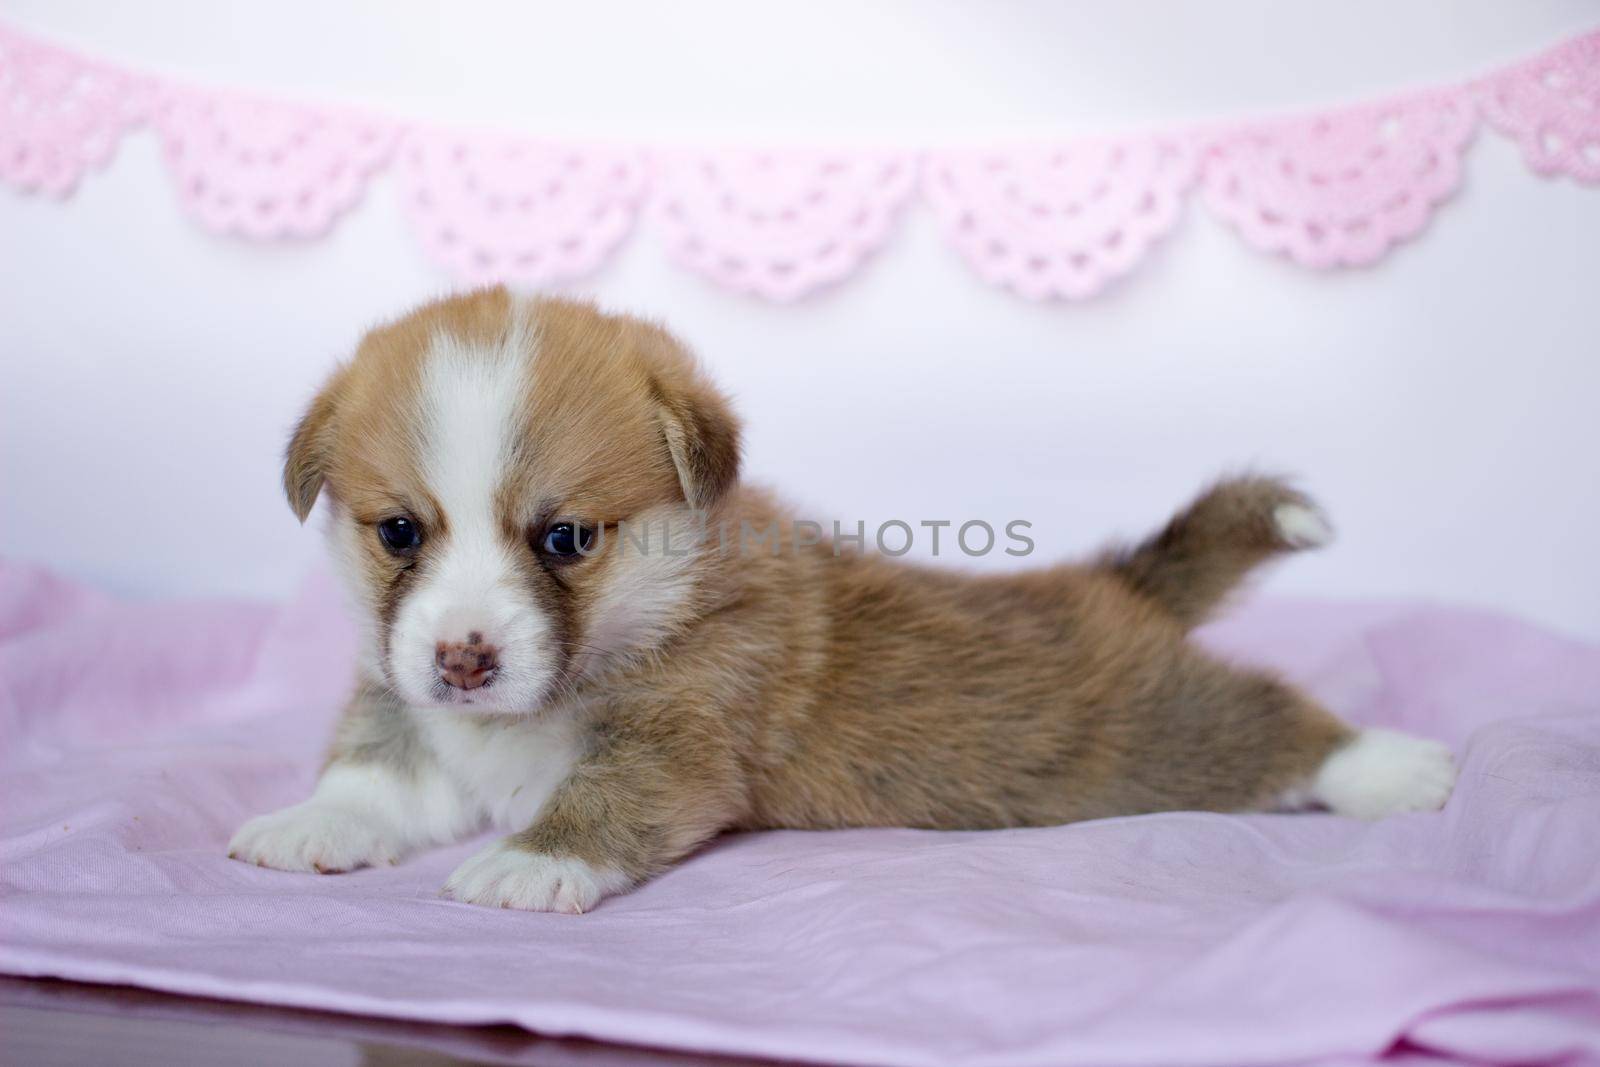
{"x":61,"y":115}
{"x":1340,"y":189}
{"x":1056,"y":220}
{"x":778,"y":224}
{"x":258,"y":168}
{"x":1550,"y":105}
{"x":1059,"y":220}
{"x":498,"y":208}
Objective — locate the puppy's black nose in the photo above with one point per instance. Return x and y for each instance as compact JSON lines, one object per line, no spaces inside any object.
{"x":467,"y":664}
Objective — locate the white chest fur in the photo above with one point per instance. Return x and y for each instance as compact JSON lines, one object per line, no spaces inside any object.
{"x":507,"y":767}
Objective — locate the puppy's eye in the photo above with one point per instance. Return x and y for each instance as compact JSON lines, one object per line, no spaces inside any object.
{"x":400,"y":535}
{"x":566,"y":540}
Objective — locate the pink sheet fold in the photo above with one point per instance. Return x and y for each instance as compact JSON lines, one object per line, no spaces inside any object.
{"x":135,"y":737}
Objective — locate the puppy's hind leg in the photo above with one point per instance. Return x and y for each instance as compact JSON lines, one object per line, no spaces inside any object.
{"x":1204,"y":552}
{"x":1242,"y":740}
{"x":1382,"y":772}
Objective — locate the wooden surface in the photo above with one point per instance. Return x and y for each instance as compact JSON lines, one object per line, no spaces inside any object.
{"x":54,"y":1024}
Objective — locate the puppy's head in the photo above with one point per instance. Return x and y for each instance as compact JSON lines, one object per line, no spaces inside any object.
{"x":478,"y":456}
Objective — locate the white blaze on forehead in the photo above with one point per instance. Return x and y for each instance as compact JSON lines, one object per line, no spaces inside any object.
{"x":470,"y":413}
{"x":471,"y":398}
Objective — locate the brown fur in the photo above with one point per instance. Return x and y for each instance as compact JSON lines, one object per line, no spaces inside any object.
{"x":813,"y":688}
{"x":858,"y":691}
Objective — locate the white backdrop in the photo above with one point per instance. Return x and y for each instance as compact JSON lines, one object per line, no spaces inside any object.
{"x":1442,"y":405}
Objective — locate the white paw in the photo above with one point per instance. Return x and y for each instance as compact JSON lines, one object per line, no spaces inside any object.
{"x":505,"y":876}
{"x":1302,"y":526}
{"x":315,"y":836}
{"x":1383,"y":773}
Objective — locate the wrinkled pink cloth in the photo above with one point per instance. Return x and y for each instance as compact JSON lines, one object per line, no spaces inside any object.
{"x":137,"y":737}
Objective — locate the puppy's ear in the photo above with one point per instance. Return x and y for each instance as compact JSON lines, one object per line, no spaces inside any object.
{"x":305,"y":461}
{"x":701,"y":430}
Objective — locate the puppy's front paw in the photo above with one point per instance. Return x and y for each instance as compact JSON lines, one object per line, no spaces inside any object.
{"x":508,"y":876}
{"x":1383,"y":773}
{"x":315,"y":836}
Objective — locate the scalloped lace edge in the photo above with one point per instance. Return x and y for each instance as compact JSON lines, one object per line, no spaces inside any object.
{"x":1058,"y":219}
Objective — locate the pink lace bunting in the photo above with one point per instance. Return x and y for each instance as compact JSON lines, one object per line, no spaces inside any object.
{"x":1550,"y":106}
{"x":1340,"y":189}
{"x":264,"y":169}
{"x":779,"y":224}
{"x":1054,"y":220}
{"x":493,"y":208}
{"x":60,"y":115}
{"x":1059,"y":220}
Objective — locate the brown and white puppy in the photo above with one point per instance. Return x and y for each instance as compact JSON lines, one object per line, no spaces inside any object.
{"x":614,"y":706}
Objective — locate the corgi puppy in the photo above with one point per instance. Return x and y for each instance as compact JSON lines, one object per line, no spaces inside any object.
{"x":611,"y":702}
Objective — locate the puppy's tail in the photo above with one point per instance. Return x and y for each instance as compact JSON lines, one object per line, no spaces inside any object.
{"x":1191,"y":565}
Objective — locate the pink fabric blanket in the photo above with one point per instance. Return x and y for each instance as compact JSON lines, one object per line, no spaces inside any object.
{"x":136,"y":737}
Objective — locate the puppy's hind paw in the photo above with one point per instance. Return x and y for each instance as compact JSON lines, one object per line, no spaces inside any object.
{"x":1382,"y":773}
